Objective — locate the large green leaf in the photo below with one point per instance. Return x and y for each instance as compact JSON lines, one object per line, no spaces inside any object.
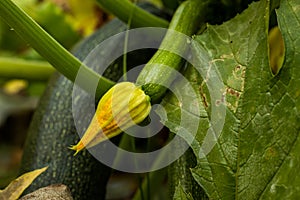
{"x":255,"y":155}
{"x":286,"y":182}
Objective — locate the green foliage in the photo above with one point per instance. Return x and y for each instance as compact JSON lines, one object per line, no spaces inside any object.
{"x":180,"y":194}
{"x":255,"y":155}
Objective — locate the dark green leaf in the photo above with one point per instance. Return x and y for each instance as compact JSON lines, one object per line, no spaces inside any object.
{"x":254,"y":154}
{"x":285,"y":182}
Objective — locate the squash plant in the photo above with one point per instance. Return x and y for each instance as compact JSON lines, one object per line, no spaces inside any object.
{"x":248,"y":151}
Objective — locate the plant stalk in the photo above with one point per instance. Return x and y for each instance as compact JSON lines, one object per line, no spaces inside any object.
{"x":25,"y":69}
{"x":140,"y":17}
{"x":156,"y":76}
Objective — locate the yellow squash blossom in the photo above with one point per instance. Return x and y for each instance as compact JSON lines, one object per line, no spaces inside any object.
{"x":123,"y":106}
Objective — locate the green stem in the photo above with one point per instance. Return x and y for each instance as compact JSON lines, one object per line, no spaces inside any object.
{"x":140,"y":187}
{"x":153,"y":182}
{"x":155,"y":76}
{"x":154,"y":179}
{"x":125,"y":56}
{"x":49,"y":48}
{"x":140,"y":18}
{"x":25,"y":69}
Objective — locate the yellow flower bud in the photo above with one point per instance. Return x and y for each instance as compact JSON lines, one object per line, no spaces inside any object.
{"x":123,"y":106}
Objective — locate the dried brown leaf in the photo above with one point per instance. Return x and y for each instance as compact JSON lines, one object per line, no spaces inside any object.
{"x":14,"y":190}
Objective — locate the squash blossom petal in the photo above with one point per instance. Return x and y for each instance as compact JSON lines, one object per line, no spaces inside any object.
{"x":123,"y":106}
